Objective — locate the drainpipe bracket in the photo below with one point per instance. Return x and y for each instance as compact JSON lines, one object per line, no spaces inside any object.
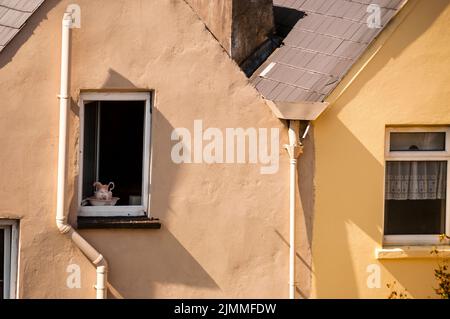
{"x":72,"y":16}
{"x":294,"y":151}
{"x":97,"y":288}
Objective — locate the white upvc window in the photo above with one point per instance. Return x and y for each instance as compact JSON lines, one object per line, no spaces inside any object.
{"x":417,"y":179}
{"x":115,"y":143}
{"x":9,"y":242}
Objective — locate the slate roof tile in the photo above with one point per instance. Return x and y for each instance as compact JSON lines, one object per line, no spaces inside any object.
{"x":13,"y":16}
{"x":320,"y":47}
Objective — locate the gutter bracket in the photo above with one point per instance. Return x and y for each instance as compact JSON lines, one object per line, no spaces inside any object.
{"x":294,"y":151}
{"x":73,"y":11}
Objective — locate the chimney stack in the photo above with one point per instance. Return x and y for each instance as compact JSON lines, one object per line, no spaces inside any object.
{"x":241,"y":26}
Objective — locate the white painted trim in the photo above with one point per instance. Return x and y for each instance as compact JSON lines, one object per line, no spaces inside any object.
{"x":97,"y":145}
{"x":415,"y":155}
{"x":81,"y":103}
{"x":307,"y":111}
{"x":447,"y":202}
{"x":418,"y":156}
{"x":409,"y":252}
{"x":146,"y":159}
{"x":14,"y":260}
{"x":118,"y":210}
{"x":426,"y":157}
{"x":104,"y":211}
{"x":267,"y":69}
{"x":413,"y":240}
{"x":11,"y":248}
{"x":115,"y":96}
{"x":7,"y":222}
{"x":6,"y":261}
{"x":149,"y":197}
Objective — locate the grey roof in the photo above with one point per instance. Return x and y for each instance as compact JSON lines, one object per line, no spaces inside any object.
{"x":326,"y":39}
{"x":13,"y":15}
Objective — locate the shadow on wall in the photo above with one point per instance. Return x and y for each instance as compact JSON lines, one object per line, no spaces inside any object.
{"x":304,"y":217}
{"x":142,"y":260}
{"x":138,"y":267}
{"x":345,"y":209}
{"x":336,"y":275}
{"x":420,"y":268}
{"x":39,"y":15}
{"x":305,"y":185}
{"x":286,"y":19}
{"x":305,"y":171}
{"x":116,"y":80}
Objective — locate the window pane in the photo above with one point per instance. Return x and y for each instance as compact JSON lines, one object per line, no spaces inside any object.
{"x":415,"y":193}
{"x":121,"y":149}
{"x":90,"y":148}
{"x":415,"y":217}
{"x":2,"y":261}
{"x":114,"y":149}
{"x":427,"y":141}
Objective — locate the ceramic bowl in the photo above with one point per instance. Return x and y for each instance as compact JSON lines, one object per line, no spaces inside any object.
{"x":102,"y":202}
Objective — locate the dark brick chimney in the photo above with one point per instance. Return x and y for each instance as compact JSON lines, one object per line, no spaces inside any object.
{"x":241,"y":26}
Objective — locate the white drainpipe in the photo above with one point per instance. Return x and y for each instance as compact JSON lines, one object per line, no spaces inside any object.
{"x":61,"y":219}
{"x":294,"y":149}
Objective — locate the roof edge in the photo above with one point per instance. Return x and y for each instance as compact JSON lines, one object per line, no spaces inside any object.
{"x":307,"y":111}
{"x":17,"y":30}
{"x":369,"y":54}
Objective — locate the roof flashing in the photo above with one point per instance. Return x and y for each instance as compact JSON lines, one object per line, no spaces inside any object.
{"x":306,"y":111}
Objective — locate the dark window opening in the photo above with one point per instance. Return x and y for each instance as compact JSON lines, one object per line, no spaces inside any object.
{"x":417,"y":141}
{"x":415,"y":217}
{"x":113,"y":149}
{"x":285,"y":19}
{"x":415,"y":193}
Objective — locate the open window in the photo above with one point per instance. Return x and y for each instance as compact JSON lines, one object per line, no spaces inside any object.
{"x":9,"y":239}
{"x":114,"y":151}
{"x":416,"y":186}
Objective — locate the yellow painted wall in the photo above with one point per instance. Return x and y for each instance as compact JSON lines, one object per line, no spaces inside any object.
{"x":407,"y":82}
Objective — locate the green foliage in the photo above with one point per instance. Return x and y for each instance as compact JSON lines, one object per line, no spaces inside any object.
{"x":443,"y":278}
{"x":394,"y":294}
{"x":442,"y":274}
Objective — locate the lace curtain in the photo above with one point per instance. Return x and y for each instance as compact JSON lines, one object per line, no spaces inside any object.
{"x":409,"y":180}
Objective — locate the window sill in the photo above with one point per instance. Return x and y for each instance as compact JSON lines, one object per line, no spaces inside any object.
{"x":410,"y":252}
{"x":142,"y":222}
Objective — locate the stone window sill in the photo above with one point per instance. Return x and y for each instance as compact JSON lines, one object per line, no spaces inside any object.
{"x":410,"y":252}
{"x":118,"y":223}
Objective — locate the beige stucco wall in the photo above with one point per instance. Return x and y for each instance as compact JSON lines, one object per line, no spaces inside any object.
{"x":239,"y":26}
{"x":224,"y":227}
{"x":218,"y":17}
{"x":406,"y":82}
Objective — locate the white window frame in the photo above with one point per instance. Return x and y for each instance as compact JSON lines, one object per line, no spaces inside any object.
{"x":111,"y":211}
{"x":415,"y":239}
{"x":10,"y":265}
